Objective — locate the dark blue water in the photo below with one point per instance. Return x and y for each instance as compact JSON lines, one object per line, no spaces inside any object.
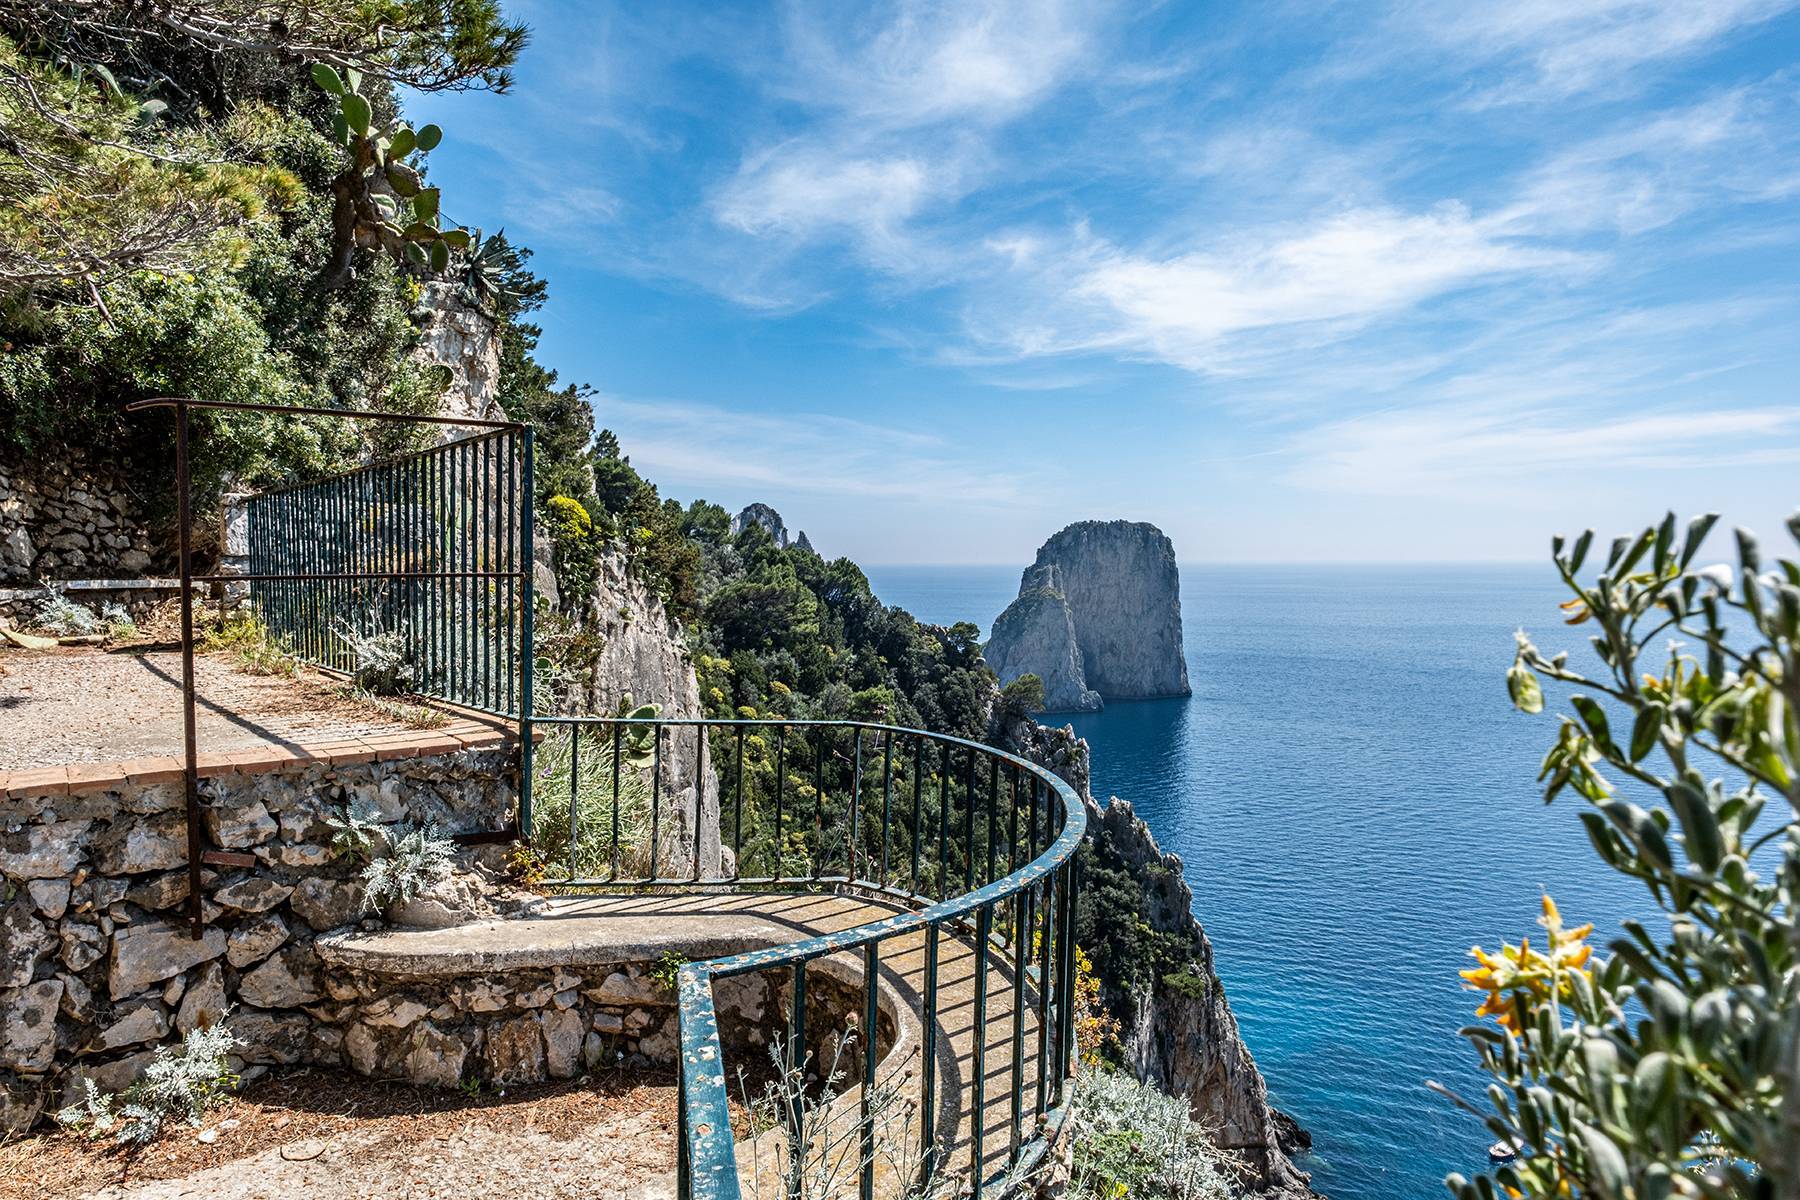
{"x":1355,"y":804}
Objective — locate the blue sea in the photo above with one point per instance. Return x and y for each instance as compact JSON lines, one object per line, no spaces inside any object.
{"x":1355,"y":803}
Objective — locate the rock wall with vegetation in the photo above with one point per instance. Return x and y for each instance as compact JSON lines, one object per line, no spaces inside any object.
{"x":97,"y":965}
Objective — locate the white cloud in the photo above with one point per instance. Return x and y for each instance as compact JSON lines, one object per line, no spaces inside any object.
{"x":1444,"y":451}
{"x":698,"y":446}
{"x":1208,"y":309}
{"x":1550,"y":50}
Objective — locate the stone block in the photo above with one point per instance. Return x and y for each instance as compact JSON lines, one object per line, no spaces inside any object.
{"x":50,"y":851}
{"x":255,"y":940}
{"x":153,"y":951}
{"x":131,"y":846}
{"x":28,"y":1035}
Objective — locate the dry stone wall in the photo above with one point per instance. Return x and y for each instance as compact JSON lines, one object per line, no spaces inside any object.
{"x":97,"y":963}
{"x":65,"y":519}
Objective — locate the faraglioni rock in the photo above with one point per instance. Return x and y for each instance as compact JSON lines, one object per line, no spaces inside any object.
{"x":1098,"y":618}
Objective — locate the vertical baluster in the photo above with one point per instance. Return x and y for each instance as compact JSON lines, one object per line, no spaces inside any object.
{"x":819,"y":750}
{"x":1019,"y":959}
{"x":1046,"y":936}
{"x":699,"y":792}
{"x":855,"y":804}
{"x":871,"y":1014}
{"x":969,"y":823}
{"x":1013,"y":861}
{"x":887,"y":799}
{"x":918,"y":806}
{"x":1066,"y":1033}
{"x":574,"y":797}
{"x":928,"y":1151}
{"x":737,"y":811}
{"x":618,"y":729}
{"x":655,"y":799}
{"x":993,"y":822}
{"x":780,"y":789}
{"x":984,"y":928}
{"x":944,"y":824}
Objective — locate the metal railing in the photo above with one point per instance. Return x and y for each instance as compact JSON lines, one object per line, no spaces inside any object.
{"x":429,"y":552}
{"x":966,"y":842}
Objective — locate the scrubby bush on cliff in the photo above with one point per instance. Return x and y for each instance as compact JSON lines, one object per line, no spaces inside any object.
{"x":1127,"y":1139}
{"x":1667,"y":1068}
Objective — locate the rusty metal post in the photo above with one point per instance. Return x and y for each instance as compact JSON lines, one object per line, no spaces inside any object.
{"x":191,"y":769}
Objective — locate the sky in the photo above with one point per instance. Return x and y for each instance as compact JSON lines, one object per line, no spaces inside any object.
{"x":1385,"y":281}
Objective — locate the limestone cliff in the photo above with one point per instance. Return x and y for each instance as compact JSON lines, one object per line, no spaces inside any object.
{"x":1180,"y":1032}
{"x":1036,"y":636}
{"x":1117,"y":584}
{"x":642,"y":654}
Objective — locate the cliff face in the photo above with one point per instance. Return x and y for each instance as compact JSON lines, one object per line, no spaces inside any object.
{"x":1180,"y":1032}
{"x":1036,"y":636}
{"x":643,"y":655}
{"x":1118,"y":584}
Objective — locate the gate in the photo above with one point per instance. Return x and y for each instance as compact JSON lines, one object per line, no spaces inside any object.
{"x":418,"y":565}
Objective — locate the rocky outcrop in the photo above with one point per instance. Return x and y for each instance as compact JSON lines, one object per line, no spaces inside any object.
{"x":766,"y":517}
{"x":460,"y":342}
{"x":1180,"y":1032}
{"x":1036,"y":636}
{"x":771,"y":523}
{"x":643,"y":654}
{"x":1117,"y":584}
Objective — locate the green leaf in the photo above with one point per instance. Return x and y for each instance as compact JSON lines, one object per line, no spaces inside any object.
{"x":426,"y":203}
{"x":1522,"y":685}
{"x":415,"y":254}
{"x":1697,"y":530}
{"x":1653,"y":1086}
{"x":404,"y":143}
{"x":1579,"y":554}
{"x":1645,"y":728}
{"x":353,"y":79}
{"x":458,"y":238}
{"x":402,"y":182}
{"x":419,"y":231}
{"x":1594,"y":717}
{"x":340,"y":129}
{"x":1607,"y":1165}
{"x":327,"y":78}
{"x":429,"y":137}
{"x":440,"y":255}
{"x":357,"y":113}
{"x":1699,"y":825}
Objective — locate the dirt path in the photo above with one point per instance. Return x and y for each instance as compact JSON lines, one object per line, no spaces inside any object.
{"x":81,"y":705}
{"x":328,"y":1137}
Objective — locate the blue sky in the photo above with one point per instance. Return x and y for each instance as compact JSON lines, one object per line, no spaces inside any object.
{"x":1374,"y":282}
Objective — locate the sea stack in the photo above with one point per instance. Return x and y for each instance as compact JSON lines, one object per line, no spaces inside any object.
{"x":1098,"y":618}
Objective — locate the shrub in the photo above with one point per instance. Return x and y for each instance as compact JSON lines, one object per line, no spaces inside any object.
{"x":59,"y":616}
{"x":183,"y":1082}
{"x":385,"y":661}
{"x":1662,"y":1070}
{"x":356,"y":831}
{"x":1129,"y":1139}
{"x":414,"y":862}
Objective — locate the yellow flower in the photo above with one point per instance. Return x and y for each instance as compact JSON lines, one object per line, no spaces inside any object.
{"x":1520,"y":976}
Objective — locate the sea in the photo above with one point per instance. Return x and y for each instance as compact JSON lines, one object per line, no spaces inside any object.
{"x":1355,"y":804}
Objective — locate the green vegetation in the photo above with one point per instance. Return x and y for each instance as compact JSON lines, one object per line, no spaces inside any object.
{"x":181,"y":1081}
{"x":1128,"y":1139}
{"x":1665,"y":1069}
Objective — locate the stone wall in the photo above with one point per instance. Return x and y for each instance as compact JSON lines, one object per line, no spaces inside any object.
{"x":97,"y":965}
{"x":68,"y":519}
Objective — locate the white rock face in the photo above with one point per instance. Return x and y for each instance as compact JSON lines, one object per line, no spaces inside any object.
{"x":1116,"y":586}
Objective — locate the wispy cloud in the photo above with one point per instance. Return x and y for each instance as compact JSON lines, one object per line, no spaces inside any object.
{"x":1451,"y":451}
{"x":697,"y":446}
{"x":1550,"y":50}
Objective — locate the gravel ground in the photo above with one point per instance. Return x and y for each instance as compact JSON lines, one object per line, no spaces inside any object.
{"x":82,"y":704}
{"x":331,"y":1137}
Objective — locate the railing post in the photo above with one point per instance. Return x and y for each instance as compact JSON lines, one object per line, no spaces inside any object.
{"x":196,"y":846}
{"x":527,"y":641}
{"x":871,"y":1015}
{"x":928,"y":1060}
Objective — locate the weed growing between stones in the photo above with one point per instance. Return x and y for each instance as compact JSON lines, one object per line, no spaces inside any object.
{"x":59,"y":616}
{"x":247,"y":640}
{"x":184,"y":1082}
{"x":357,"y":829}
{"x":415,"y":861}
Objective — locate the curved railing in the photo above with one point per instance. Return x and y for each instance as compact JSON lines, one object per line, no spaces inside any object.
{"x":959,"y":840}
